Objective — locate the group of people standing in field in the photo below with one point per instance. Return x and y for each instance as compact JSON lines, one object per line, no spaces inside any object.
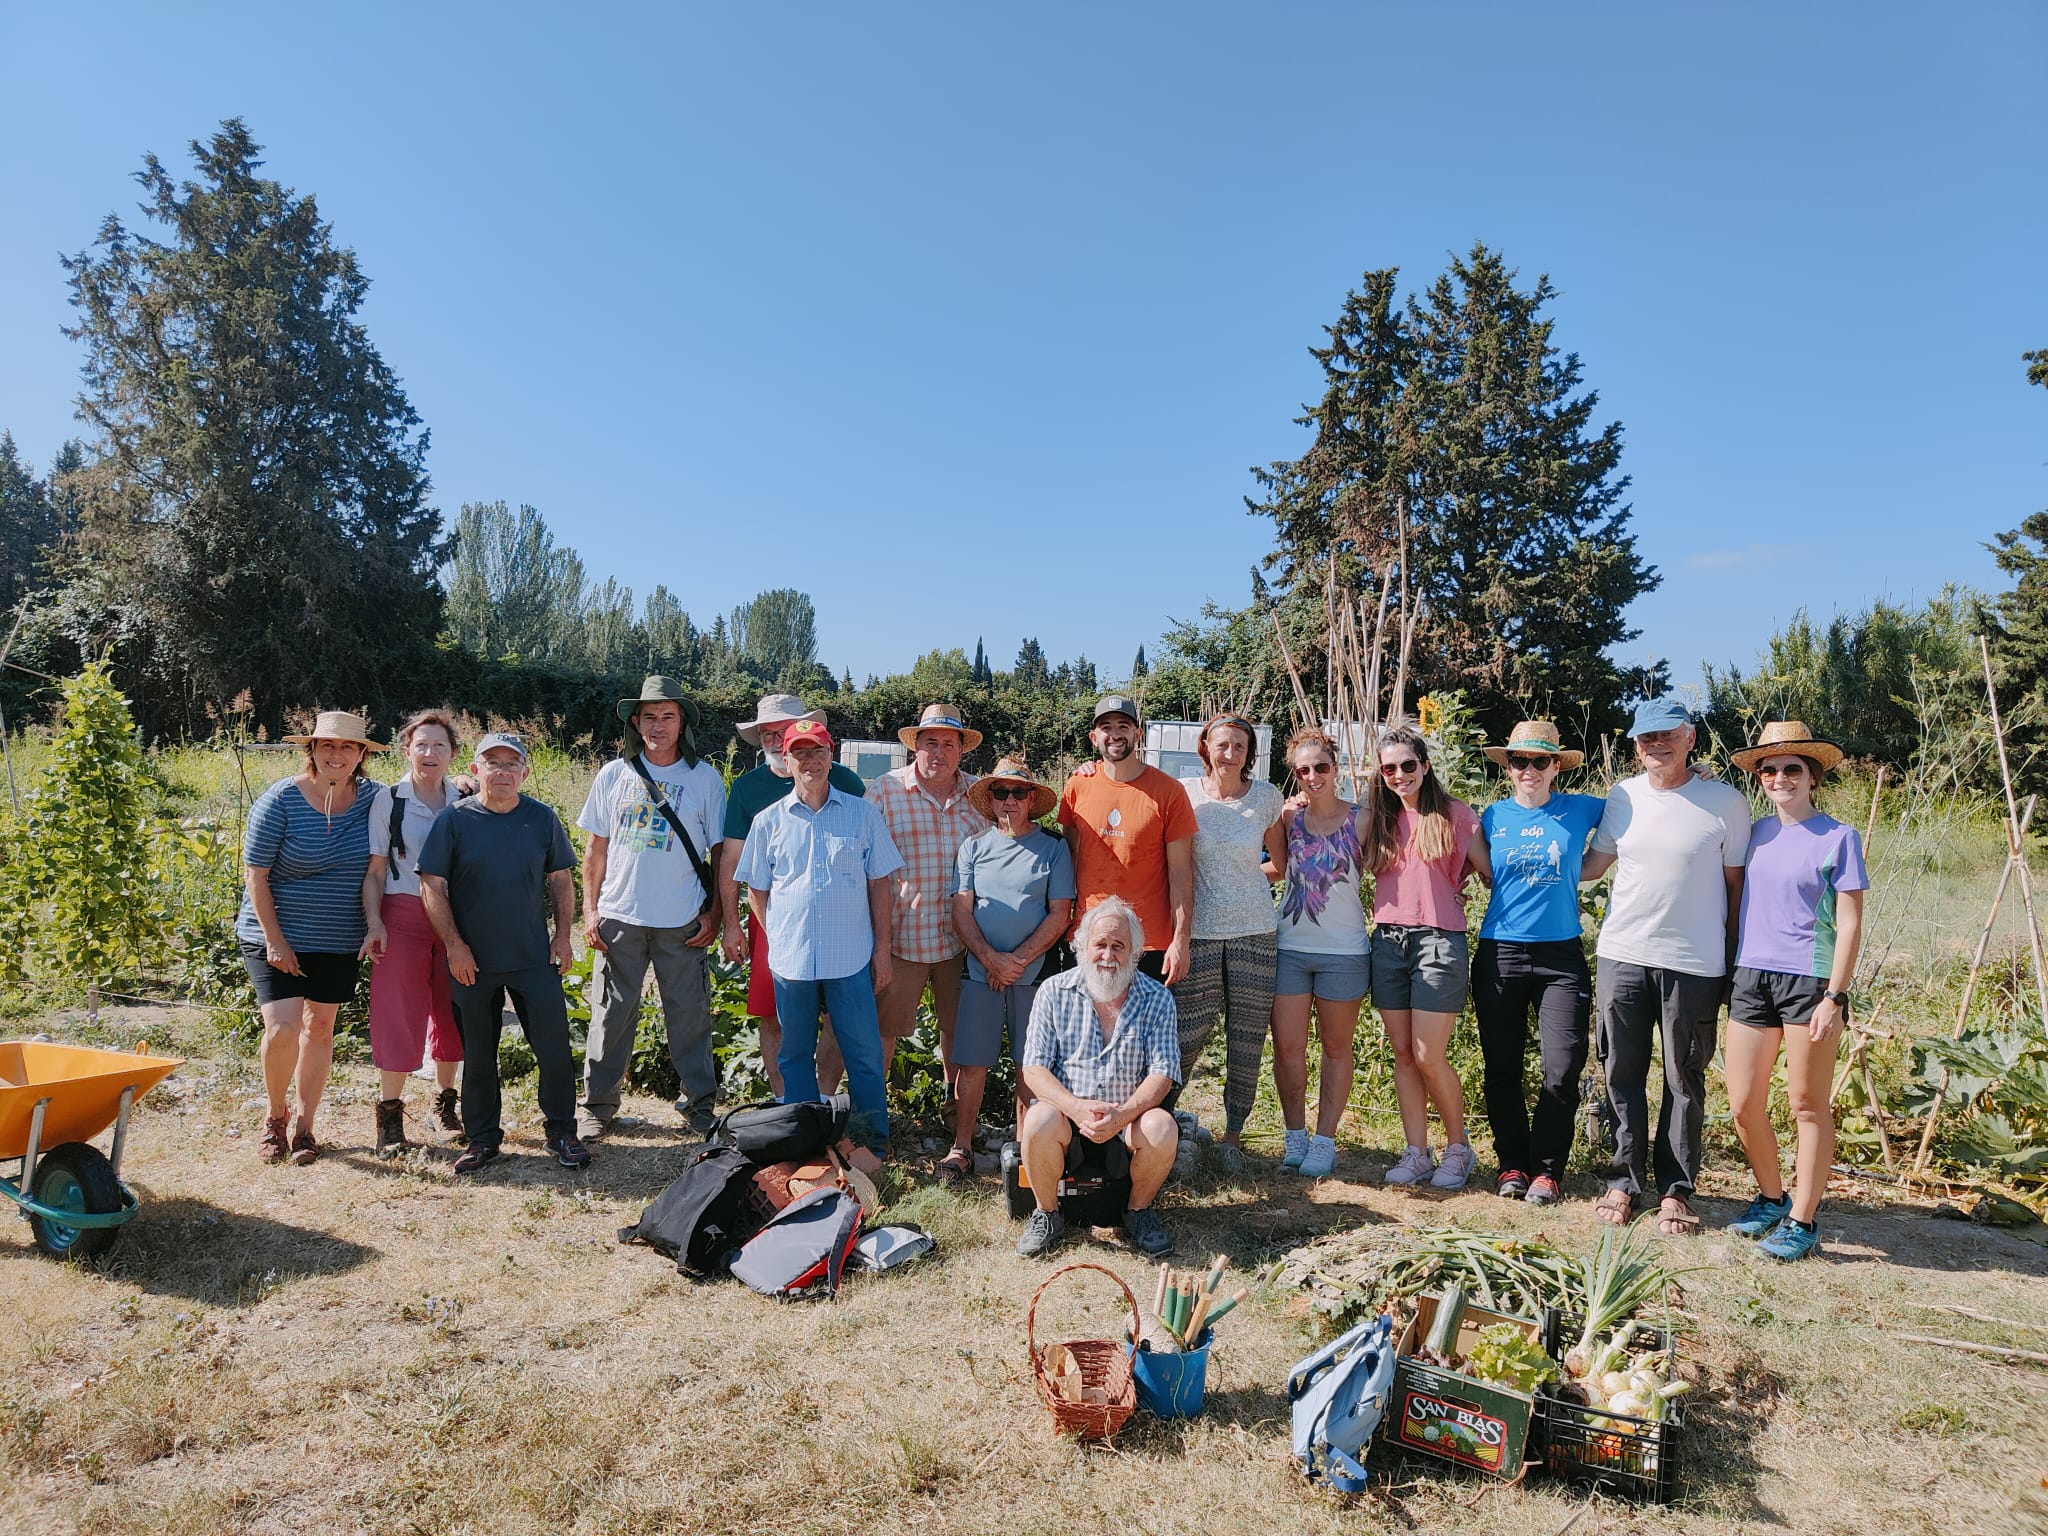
{"x":1105,"y":952}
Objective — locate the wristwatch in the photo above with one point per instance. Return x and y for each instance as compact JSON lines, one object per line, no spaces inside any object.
{"x":1839,"y":998}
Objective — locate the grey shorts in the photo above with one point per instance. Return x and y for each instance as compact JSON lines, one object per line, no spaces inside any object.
{"x":984,"y":1014}
{"x":1426,"y":968}
{"x":1773,"y":999}
{"x":1335,"y":978}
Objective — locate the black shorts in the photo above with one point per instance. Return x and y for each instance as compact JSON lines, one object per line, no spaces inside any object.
{"x":321,"y":979}
{"x":1773,"y":999}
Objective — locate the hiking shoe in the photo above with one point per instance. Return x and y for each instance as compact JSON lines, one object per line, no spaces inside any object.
{"x":1761,"y":1215}
{"x":1456,"y":1168}
{"x":1790,"y":1240}
{"x":1228,"y":1157}
{"x":448,"y":1110}
{"x":1294,"y":1148}
{"x":474,"y":1158}
{"x":591,"y":1127}
{"x":1512,"y":1184}
{"x":391,"y":1140}
{"x":1187,"y":1151}
{"x":1042,"y":1233}
{"x":568,"y":1151}
{"x":1415,"y":1165}
{"x":698,"y":1118}
{"x":1145,"y":1229}
{"x":304,"y":1148}
{"x":275,"y":1144}
{"x":1543,"y":1190}
{"x":1320,"y":1161}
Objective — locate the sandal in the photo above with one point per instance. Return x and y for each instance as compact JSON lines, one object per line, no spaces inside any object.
{"x":955,"y":1167}
{"x":1675,"y":1218}
{"x":1615,"y":1207}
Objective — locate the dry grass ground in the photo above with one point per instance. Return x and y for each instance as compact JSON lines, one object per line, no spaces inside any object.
{"x":361,"y":1347}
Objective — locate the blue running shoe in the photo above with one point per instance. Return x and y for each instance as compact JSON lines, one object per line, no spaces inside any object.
{"x":1762,"y":1215}
{"x":1790,"y":1240}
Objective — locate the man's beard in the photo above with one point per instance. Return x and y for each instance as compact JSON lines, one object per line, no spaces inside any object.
{"x":1108,"y":983}
{"x":778,"y":763}
{"x":1115,"y":750}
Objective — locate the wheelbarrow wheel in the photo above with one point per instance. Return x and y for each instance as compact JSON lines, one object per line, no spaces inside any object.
{"x":75,"y":1177}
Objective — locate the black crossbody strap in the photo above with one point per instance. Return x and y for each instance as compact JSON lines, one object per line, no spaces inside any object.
{"x":668,"y":811}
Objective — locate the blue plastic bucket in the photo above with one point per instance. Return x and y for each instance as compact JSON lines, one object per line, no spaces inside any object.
{"x":1171,"y":1386}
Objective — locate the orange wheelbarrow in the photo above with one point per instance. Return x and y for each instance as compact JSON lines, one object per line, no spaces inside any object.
{"x":53,"y":1100}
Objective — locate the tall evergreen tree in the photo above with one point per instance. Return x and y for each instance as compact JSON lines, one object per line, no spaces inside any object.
{"x":29,"y":527}
{"x":512,"y":591}
{"x":1030,"y":670}
{"x":2017,"y":622}
{"x":981,"y":671}
{"x":256,"y":516}
{"x":1450,"y":433}
{"x":1138,"y":667}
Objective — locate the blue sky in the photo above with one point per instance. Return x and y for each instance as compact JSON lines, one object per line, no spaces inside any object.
{"x":969,"y":320}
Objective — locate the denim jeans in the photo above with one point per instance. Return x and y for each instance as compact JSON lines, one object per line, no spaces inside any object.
{"x":857,"y":1025}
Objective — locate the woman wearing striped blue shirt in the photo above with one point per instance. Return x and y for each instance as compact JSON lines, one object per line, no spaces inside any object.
{"x":304,"y":854}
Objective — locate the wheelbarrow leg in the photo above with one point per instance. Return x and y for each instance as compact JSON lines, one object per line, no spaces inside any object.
{"x":121,"y":1128}
{"x":35,"y":1147}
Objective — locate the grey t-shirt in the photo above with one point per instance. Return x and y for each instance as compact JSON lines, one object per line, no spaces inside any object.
{"x":496,"y":865}
{"x":1012,"y":880}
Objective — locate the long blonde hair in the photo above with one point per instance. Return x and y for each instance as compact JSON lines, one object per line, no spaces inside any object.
{"x":1434,"y":838}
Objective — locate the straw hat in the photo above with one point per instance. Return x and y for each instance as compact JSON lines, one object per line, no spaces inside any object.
{"x":1782,"y":738}
{"x":940,"y":717}
{"x":339,"y":725}
{"x":776,"y":709}
{"x":1011,"y":770}
{"x":1536,"y":736}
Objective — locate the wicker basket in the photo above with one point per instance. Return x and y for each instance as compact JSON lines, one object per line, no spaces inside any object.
{"x":1104,"y":1363}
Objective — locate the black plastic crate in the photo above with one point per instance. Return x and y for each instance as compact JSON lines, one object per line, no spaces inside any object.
{"x":1631,"y":1456}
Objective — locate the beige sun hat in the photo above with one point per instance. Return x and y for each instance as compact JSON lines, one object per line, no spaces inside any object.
{"x":1012,"y":770}
{"x":339,"y":725}
{"x":940,"y":717}
{"x":1781,"y":738}
{"x":776,"y":709}
{"x":1536,"y":736}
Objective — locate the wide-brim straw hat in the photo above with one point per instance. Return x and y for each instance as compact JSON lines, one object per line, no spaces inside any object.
{"x":339,"y":725}
{"x":940,"y":717}
{"x":1781,"y":738}
{"x":776,"y":709}
{"x":1536,"y":736}
{"x":1012,"y":770}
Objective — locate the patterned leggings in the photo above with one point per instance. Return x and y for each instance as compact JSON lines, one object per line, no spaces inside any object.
{"x":1233,"y":977}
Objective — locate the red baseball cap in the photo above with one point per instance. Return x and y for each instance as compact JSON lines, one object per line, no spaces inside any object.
{"x":807,"y":733}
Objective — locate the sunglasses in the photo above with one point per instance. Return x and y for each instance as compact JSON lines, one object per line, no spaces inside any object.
{"x":1406,"y":765}
{"x":1781,"y":770}
{"x":1520,"y":760}
{"x":1010,"y":791}
{"x":1307,"y":768}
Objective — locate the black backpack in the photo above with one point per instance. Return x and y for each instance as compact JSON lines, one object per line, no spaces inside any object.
{"x":704,"y":1218}
{"x":780,"y":1133}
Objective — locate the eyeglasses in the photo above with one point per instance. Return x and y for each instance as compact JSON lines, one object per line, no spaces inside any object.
{"x":1395,"y":770}
{"x":1319,"y":768}
{"x":1781,"y":770}
{"x":1518,"y":760}
{"x":1010,"y":791}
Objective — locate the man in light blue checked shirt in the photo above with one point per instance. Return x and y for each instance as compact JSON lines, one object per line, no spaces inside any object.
{"x":816,"y":866}
{"x":1102,"y":1054}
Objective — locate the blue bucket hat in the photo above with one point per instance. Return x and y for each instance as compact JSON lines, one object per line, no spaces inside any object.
{"x":1659,"y":715}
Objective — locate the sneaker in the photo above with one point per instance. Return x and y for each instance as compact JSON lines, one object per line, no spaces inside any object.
{"x":1761,"y":1215}
{"x":1512,"y":1184}
{"x":592,"y":1127}
{"x":1415,"y":1165}
{"x":474,"y":1158}
{"x":1186,"y":1153}
{"x":1790,"y":1240}
{"x":1042,"y":1233}
{"x":304,"y":1148}
{"x":1227,"y":1157}
{"x":391,"y":1140}
{"x":569,"y":1152}
{"x":448,"y":1110}
{"x":275,"y":1144}
{"x":1543,"y":1190}
{"x":1321,"y":1159}
{"x":1456,"y":1168}
{"x":1145,"y":1229}
{"x":698,"y":1118}
{"x":1294,"y":1149}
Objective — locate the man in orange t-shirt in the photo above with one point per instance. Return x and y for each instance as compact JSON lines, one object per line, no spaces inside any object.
{"x":1132,"y":833}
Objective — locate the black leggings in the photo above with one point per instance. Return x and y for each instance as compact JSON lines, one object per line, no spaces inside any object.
{"x":1507,"y":980}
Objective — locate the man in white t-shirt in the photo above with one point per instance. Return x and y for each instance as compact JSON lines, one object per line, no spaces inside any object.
{"x":1676,"y":843}
{"x":655,"y":816}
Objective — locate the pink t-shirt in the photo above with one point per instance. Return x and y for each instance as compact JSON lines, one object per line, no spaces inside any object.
{"x":1417,"y":894}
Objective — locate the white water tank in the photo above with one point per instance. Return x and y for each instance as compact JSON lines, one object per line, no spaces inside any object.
{"x":1172,"y":746}
{"x":872,"y":759}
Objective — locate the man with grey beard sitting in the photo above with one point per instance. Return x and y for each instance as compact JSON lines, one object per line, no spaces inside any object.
{"x":1102,"y":1054}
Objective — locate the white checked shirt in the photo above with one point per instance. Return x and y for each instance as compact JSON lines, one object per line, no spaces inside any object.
{"x":928,"y":833}
{"x":1066,"y":1037}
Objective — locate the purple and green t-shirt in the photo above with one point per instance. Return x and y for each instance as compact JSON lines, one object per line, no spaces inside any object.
{"x":1788,"y":896}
